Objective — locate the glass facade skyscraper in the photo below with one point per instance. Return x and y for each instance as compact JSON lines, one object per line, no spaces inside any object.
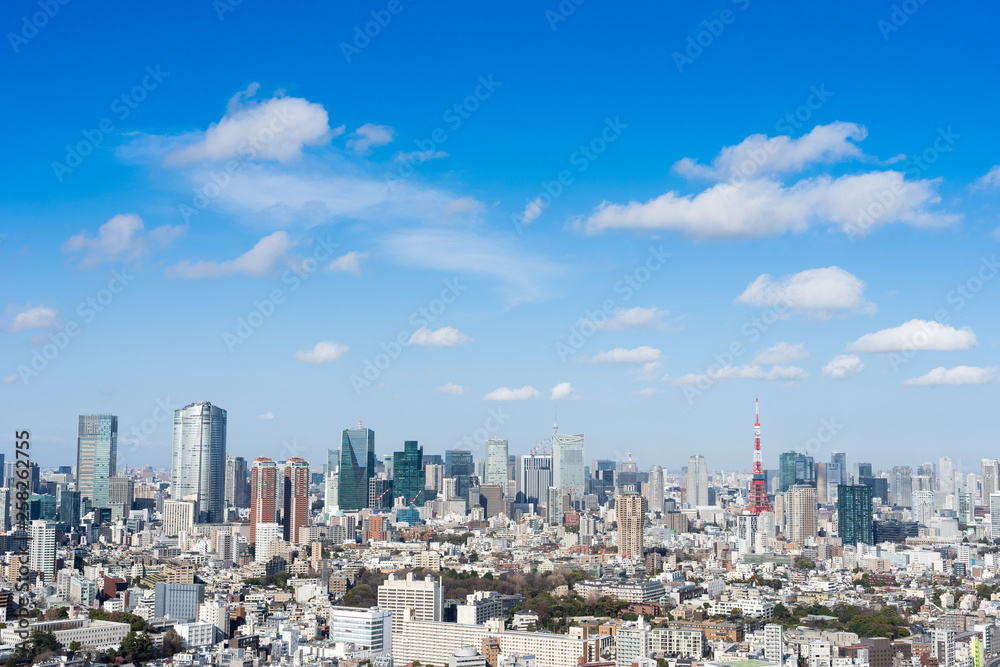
{"x":854,"y":514}
{"x":357,"y":466}
{"x":496,"y":463}
{"x":96,"y":456}
{"x":198,"y":462}
{"x":458,"y":463}
{"x":567,"y":463}
{"x":408,"y":475}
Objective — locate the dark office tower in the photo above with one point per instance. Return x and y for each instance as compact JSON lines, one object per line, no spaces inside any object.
{"x":862,"y":470}
{"x":408,"y":477}
{"x":332,"y":460}
{"x":786,"y":470}
{"x":840,"y":458}
{"x":458,"y":463}
{"x":821,"y":482}
{"x":296,"y":498}
{"x":96,"y":456}
{"x":902,"y":486}
{"x":534,"y":479}
{"x":198,"y":463}
{"x":69,"y":508}
{"x":357,"y":466}
{"x":380,"y":494}
{"x":433,"y":459}
{"x":854,"y":514}
{"x":237,"y":482}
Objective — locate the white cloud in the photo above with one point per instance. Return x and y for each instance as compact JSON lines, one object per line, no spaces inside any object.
{"x":452,"y":388}
{"x":275,"y":129}
{"x":369,"y":136}
{"x":533,"y":209}
{"x":620,"y":355}
{"x":915,"y":335}
{"x":324,"y":352}
{"x":759,"y":154}
{"x":38,"y":317}
{"x":267,"y":416}
{"x":990,"y":179}
{"x":746,"y":372}
{"x":818,"y":292}
{"x":419,"y":156}
{"x":648,"y":391}
{"x":260,"y":260}
{"x":505,"y":394}
{"x":958,"y":375}
{"x":348,"y":263}
{"x":749,"y":199}
{"x":843,"y":366}
{"x":563,"y":392}
{"x":781,"y":353}
{"x":467,"y":252}
{"x":627,"y":318}
{"x":122,"y":238}
{"x":10,"y":379}
{"x":443,"y":337}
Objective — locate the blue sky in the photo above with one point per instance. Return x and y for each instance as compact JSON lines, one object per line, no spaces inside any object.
{"x":757,"y":198}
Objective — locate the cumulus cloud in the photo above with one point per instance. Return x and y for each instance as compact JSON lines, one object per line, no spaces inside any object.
{"x":563,"y":392}
{"x":452,"y":388}
{"x":122,"y":238}
{"x":627,"y":318}
{"x":915,"y":335}
{"x":443,"y":337}
{"x":990,"y":179}
{"x":817,"y":292}
{"x":37,"y":317}
{"x":781,"y":353}
{"x":260,"y":260}
{"x":324,"y":352}
{"x":505,"y":394}
{"x":843,"y":366}
{"x":267,"y":416}
{"x":620,"y":355}
{"x":370,"y":136}
{"x":348,"y":263}
{"x":533,"y":209}
{"x":759,"y":154}
{"x":749,"y":199}
{"x":746,"y":372}
{"x":957,"y":375}
{"x":276,"y":129}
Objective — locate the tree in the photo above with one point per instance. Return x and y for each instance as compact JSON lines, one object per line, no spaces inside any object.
{"x":171,"y":643}
{"x":43,"y":641}
{"x":74,"y":645}
{"x":136,"y":646}
{"x":56,"y":613}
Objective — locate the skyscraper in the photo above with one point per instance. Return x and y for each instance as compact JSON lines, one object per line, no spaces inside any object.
{"x":237,"y":484}
{"x":801,"y":510}
{"x":655,"y":492}
{"x":263,"y":494}
{"x":902,"y":486}
{"x":840,"y":458}
{"x":535,"y":478}
{"x":459,"y":465}
{"x":990,"y":471}
{"x":630,"y":513}
{"x":854,"y":514}
{"x":786,"y":470}
{"x":198,"y":463}
{"x":296,"y":498}
{"x":946,"y":475}
{"x":357,"y":466}
{"x":567,"y":463}
{"x":408,"y":475}
{"x":42,"y":550}
{"x":96,"y":456}
{"x":697,"y":482}
{"x":496,"y":462}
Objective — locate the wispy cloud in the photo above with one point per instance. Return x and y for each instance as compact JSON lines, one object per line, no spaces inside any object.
{"x":32,"y":317}
{"x":443,"y":337}
{"x":452,"y":389}
{"x":122,"y":238}
{"x":781,"y":353}
{"x":843,"y":366}
{"x":620,"y":355}
{"x":957,"y":375}
{"x":266,"y":255}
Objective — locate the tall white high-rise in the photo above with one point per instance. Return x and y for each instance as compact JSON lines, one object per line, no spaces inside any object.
{"x":995,"y":515}
{"x":946,"y":475}
{"x":412,"y":599}
{"x":567,"y":463}
{"x":801,"y":508}
{"x":496,"y":462}
{"x":697,"y":482}
{"x":990,"y":471}
{"x":534,"y":479}
{"x":774,"y":648}
{"x":655,"y":489}
{"x":198,"y":463}
{"x":42,"y":551}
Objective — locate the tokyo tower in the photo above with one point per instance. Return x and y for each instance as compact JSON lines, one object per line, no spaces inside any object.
{"x":758,"y":489}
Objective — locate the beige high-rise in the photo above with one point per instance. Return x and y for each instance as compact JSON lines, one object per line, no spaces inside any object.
{"x":630,"y":513}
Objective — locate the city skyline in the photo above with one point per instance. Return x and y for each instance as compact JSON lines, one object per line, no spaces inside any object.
{"x":508,"y":240}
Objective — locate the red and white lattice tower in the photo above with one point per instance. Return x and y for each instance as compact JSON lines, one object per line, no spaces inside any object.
{"x":758,"y":488}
